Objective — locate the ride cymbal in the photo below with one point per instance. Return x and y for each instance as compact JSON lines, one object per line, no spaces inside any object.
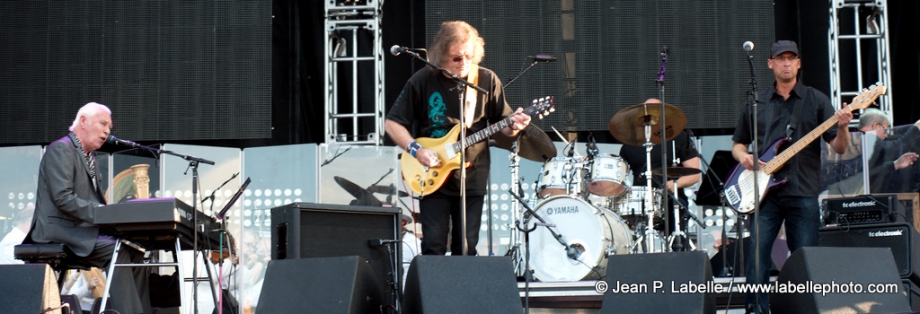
{"x":533,"y":144}
{"x":628,"y":125}
{"x":363,"y":196}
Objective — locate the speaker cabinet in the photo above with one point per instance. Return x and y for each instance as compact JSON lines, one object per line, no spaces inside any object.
{"x":320,"y":285}
{"x":849,"y":273}
{"x":28,"y":288}
{"x":642,"y":283}
{"x":912,"y":292}
{"x":461,"y":284}
{"x":899,"y":237}
{"x":302,"y":230}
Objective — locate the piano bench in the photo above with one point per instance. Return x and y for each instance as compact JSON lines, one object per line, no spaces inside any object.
{"x":56,"y":255}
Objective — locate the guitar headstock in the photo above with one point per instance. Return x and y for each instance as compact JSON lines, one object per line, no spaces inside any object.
{"x":867,"y":96}
{"x":541,"y":107}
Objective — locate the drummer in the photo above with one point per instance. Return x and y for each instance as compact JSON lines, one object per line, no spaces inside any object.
{"x":688,"y":156}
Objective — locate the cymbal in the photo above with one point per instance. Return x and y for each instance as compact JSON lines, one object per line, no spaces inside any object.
{"x":677,"y":172}
{"x":386,"y":189}
{"x":628,"y":125}
{"x":363,"y":196}
{"x":533,"y":144}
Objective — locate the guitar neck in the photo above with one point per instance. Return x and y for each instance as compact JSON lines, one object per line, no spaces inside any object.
{"x":482,"y":134}
{"x":777,"y":162}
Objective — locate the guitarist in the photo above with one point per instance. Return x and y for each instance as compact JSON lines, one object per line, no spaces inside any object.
{"x":429,"y":103}
{"x":796,"y":202}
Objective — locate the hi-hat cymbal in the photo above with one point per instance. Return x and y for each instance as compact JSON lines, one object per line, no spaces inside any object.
{"x":533,"y":144}
{"x":677,"y":172}
{"x":628,"y":125}
{"x":363,"y":196}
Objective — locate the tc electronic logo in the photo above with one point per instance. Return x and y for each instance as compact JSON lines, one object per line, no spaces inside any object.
{"x":859,"y":204}
{"x":888,"y":233}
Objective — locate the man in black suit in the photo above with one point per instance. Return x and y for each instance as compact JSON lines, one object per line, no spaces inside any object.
{"x":68,"y":194}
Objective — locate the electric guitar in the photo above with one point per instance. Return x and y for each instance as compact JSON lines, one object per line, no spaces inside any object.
{"x":426,"y":180}
{"x":739,"y":188}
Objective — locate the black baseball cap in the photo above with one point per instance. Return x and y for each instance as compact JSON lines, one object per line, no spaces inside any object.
{"x":782,"y":46}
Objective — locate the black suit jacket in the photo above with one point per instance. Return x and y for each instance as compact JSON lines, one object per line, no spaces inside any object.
{"x":66,"y":201}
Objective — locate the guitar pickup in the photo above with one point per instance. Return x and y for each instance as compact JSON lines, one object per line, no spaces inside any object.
{"x":733,"y":196}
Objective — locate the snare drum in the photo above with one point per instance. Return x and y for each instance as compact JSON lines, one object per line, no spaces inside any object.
{"x":608,"y":176}
{"x":633,"y":203}
{"x":595,"y":233}
{"x":561,"y":176}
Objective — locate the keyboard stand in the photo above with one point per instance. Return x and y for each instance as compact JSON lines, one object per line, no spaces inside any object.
{"x":176,"y":263}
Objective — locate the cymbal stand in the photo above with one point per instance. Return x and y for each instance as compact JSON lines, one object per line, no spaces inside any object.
{"x":515,"y":250}
{"x":678,"y":232}
{"x":647,"y":209}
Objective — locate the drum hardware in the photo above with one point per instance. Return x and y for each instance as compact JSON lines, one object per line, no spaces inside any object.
{"x":674,"y":173}
{"x":629,"y":124}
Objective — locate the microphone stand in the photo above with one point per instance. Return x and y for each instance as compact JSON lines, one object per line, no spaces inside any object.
{"x":192,"y":164}
{"x":756,"y":166}
{"x":463,"y":142}
{"x":222,"y":231}
{"x":532,"y":64}
{"x":664,"y":146}
{"x":572,"y":254}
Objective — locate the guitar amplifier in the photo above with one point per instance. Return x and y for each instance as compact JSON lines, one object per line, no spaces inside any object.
{"x":899,"y":237}
{"x":860,"y":210}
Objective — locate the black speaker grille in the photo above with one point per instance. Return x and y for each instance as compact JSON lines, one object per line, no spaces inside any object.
{"x":327,"y":230}
{"x":169,"y":70}
{"x":609,"y":54}
{"x":899,"y":237}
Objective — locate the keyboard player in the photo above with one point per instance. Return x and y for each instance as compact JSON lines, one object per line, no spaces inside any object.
{"x":68,"y":195}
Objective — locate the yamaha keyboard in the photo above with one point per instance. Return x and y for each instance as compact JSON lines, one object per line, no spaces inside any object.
{"x":156,"y":223}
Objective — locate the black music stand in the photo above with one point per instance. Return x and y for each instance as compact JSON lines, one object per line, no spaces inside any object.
{"x":720,"y":165}
{"x":221,"y":216}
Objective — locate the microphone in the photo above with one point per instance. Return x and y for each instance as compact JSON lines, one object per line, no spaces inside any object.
{"x":117,"y":141}
{"x":397,"y":49}
{"x":542,"y":57}
{"x":572,"y":252}
{"x":380,"y":242}
{"x":665,"y":51}
{"x":748,"y":46}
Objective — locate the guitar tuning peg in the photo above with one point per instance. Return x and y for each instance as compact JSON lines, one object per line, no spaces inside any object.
{"x":552,"y":109}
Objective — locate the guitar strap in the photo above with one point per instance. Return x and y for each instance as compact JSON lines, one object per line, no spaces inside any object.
{"x":793,"y":121}
{"x":469,"y":108}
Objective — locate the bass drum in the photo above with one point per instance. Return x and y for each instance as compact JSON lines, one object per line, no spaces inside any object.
{"x":594,"y":232}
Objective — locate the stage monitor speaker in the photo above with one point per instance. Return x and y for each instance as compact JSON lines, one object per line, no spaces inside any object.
{"x":899,"y":237}
{"x":320,"y":285}
{"x":461,"y":284}
{"x":302,"y":230}
{"x":848,"y":273}
{"x":29,"y":288}
{"x":642,"y":283}
{"x":912,"y":292}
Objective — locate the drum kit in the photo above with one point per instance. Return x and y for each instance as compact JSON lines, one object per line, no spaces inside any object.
{"x":587,"y":205}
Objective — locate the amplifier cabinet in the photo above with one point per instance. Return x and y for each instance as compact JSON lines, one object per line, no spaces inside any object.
{"x":899,"y":237}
